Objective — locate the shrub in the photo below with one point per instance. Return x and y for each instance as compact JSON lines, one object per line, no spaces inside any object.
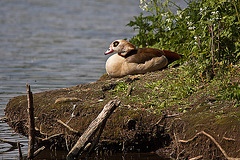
{"x":205,"y":32}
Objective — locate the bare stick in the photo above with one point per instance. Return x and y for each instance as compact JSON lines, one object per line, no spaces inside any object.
{"x":92,"y":128}
{"x":214,"y":141}
{"x":229,"y":139}
{"x":31,"y":134}
{"x":39,"y":151}
{"x":19,"y":150}
{"x":14,"y":144}
{"x":53,"y":136}
{"x":196,"y":158}
{"x":68,"y":127}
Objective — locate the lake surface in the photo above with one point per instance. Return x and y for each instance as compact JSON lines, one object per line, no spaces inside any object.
{"x":55,"y":44}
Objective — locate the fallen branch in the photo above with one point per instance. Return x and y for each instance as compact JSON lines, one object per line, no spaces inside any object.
{"x":93,"y":128}
{"x":98,"y":137}
{"x":214,"y":141}
{"x":68,"y":127}
{"x":14,"y":144}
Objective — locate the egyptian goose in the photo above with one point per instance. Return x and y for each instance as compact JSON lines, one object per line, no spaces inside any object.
{"x":128,"y":60}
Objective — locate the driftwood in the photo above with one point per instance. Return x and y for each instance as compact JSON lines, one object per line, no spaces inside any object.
{"x":31,"y":134}
{"x":94,"y":143}
{"x":93,"y":128}
{"x":214,"y":141}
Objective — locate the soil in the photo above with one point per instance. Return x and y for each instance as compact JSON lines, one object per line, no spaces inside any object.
{"x":138,"y":124}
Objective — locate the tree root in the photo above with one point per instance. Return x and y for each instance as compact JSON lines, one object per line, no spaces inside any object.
{"x":216,"y":143}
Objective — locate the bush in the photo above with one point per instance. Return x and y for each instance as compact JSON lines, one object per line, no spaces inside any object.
{"x":205,"y":32}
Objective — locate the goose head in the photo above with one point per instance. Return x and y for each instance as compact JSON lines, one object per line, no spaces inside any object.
{"x":121,"y":47}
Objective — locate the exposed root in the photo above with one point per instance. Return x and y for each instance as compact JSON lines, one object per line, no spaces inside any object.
{"x":216,"y":143}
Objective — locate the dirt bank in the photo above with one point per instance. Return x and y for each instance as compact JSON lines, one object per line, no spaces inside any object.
{"x":157,"y":111}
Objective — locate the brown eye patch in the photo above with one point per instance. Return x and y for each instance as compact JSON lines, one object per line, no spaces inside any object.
{"x":115,"y":43}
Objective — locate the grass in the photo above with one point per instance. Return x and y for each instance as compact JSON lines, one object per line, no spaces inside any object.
{"x":178,"y":89}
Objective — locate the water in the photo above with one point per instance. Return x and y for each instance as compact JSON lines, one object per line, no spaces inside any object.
{"x":55,"y":44}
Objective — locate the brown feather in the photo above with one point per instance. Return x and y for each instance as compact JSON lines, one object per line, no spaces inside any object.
{"x":144,"y":54}
{"x":171,"y":55}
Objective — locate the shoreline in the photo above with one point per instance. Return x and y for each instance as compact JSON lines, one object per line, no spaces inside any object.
{"x":136,"y":125}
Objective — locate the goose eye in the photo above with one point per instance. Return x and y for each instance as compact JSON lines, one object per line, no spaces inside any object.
{"x":115,"y":43}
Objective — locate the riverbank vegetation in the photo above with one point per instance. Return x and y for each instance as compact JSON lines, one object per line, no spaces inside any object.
{"x":206,"y":33}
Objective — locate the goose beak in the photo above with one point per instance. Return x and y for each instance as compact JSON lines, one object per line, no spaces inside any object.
{"x":109,"y":51}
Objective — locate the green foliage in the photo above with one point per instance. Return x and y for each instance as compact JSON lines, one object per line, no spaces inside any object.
{"x":230,"y":91}
{"x":121,"y":87}
{"x":181,"y":87}
{"x":205,"y":32}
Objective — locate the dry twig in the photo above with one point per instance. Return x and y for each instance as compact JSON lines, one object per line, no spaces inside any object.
{"x":196,"y":158}
{"x":68,"y":127}
{"x":38,"y":151}
{"x":214,"y":141}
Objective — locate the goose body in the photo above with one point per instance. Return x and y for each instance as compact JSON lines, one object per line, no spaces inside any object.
{"x":128,"y":60}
